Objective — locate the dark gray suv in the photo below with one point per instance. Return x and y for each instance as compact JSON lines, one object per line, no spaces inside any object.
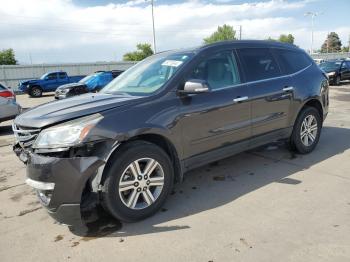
{"x":125,"y":146}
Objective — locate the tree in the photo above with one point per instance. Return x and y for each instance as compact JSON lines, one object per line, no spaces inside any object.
{"x":7,"y":57}
{"x":345,"y":49}
{"x":223,"y":33}
{"x":331,"y":44}
{"x":143,"y":51}
{"x":286,"y":39}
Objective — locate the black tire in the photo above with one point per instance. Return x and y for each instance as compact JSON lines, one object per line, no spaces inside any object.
{"x":128,"y":153}
{"x":35,"y":91}
{"x":296,"y":142}
{"x":337,"y":80}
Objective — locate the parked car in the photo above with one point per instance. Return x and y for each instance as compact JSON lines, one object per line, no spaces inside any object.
{"x":91,"y":83}
{"x":337,"y":70}
{"x":125,"y":146}
{"x":319,"y":61}
{"x":9,"y":109}
{"x":47,"y":83}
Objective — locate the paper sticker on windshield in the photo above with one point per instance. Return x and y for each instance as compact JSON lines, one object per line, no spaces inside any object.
{"x":173,"y":63}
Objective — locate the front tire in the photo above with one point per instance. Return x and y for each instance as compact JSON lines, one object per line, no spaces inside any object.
{"x":35,"y":91}
{"x":306,"y":131}
{"x":337,"y":80}
{"x":137,"y":182}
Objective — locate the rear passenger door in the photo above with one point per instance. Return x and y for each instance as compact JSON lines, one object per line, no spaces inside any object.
{"x":271,"y":91}
{"x":62,"y":79}
{"x":51,"y":82}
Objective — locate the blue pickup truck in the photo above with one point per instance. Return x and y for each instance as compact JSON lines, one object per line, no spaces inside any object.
{"x":47,"y":83}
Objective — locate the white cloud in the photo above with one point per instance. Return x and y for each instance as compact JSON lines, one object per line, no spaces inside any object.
{"x":60,"y":31}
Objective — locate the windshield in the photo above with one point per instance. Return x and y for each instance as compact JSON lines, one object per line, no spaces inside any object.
{"x":330,"y":66}
{"x":43,"y":76}
{"x":86,"y":79}
{"x":147,"y":76}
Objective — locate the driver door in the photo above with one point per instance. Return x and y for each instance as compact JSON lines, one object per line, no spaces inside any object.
{"x":215,"y":121}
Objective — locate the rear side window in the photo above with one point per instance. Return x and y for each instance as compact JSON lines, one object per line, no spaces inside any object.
{"x":62,"y":75}
{"x":258,"y":63}
{"x":292,"y":61}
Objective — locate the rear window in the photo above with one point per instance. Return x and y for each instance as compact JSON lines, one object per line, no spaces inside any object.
{"x":258,"y":63}
{"x":292,"y":61}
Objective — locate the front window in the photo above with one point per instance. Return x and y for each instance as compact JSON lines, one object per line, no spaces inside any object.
{"x":149,"y":75}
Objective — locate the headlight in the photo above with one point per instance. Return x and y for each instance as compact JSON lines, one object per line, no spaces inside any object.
{"x":331,"y":74}
{"x":64,"y":91}
{"x":67,"y":134}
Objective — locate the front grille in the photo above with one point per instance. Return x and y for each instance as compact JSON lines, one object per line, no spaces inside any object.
{"x":25,"y":136}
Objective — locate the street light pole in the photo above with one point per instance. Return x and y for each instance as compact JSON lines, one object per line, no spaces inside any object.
{"x":154,"y":31}
{"x":313,"y":15}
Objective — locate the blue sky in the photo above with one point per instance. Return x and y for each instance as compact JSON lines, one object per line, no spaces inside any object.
{"x":45,"y":31}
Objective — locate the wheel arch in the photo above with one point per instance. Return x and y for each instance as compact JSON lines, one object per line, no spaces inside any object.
{"x":155,"y":139}
{"x":312,"y":102}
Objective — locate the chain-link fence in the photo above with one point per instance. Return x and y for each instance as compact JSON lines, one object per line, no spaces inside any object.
{"x":10,"y":75}
{"x":329,"y":56}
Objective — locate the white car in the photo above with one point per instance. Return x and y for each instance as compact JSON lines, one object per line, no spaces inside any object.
{"x":9,"y":109}
{"x":319,"y":61}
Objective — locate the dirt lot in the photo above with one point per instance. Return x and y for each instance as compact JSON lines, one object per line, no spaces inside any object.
{"x":262,"y":205}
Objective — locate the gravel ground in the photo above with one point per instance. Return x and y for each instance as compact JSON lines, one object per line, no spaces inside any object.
{"x":263,"y":205}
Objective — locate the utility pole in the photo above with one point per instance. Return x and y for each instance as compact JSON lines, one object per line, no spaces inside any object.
{"x":313,"y":15}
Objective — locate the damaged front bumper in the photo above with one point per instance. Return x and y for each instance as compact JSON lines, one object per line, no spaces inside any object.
{"x":60,"y":182}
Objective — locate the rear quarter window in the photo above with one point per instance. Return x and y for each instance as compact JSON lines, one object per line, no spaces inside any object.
{"x":2,"y":88}
{"x":258,"y":63}
{"x":292,"y":61}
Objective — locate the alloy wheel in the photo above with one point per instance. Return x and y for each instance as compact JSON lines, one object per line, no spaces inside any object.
{"x":308,"y":130}
{"x":141,"y":183}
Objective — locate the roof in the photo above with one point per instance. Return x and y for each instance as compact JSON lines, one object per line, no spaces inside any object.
{"x":250,"y":43}
{"x":234,"y":43}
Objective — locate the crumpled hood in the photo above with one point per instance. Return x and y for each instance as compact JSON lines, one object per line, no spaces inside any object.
{"x":69,"y":86}
{"x":28,"y":81}
{"x":62,"y":110}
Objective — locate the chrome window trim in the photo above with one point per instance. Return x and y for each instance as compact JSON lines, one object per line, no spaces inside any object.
{"x":263,"y":80}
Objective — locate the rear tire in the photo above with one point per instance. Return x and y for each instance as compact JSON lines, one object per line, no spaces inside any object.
{"x":128,"y":193}
{"x":35,"y":91}
{"x":306,"y":131}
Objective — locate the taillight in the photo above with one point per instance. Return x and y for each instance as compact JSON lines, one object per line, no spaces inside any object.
{"x":7,"y":94}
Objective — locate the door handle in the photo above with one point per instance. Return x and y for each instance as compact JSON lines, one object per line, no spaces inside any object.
{"x":288,"y":88}
{"x":240,"y":99}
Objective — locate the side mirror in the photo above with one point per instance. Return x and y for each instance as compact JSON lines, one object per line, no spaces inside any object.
{"x":195,"y":86}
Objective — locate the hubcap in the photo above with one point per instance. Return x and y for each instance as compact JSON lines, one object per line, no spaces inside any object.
{"x":36,"y":92}
{"x":141,"y":183}
{"x":308,"y":130}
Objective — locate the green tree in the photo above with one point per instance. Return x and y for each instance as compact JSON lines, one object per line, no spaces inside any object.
{"x":331,"y":44}
{"x":7,"y":57}
{"x":286,"y":38}
{"x":143,"y":51}
{"x":345,"y":49}
{"x":223,"y":33}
